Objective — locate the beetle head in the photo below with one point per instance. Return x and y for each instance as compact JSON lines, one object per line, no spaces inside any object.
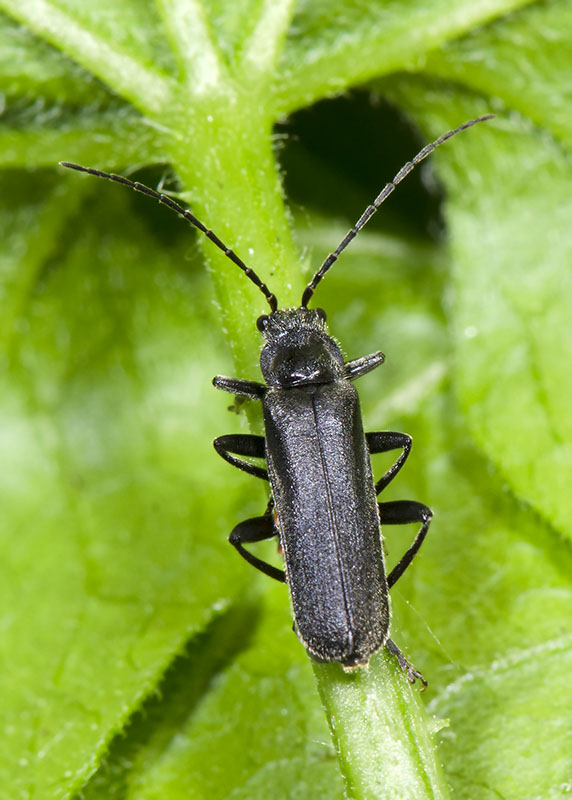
{"x":298,"y":349}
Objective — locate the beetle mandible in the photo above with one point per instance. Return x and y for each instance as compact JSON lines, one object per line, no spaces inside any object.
{"x":323,"y":502}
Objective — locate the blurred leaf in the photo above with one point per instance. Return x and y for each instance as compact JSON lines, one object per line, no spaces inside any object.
{"x":522,"y":60}
{"x":29,"y":67}
{"x":336,"y":45}
{"x":102,"y":583}
{"x":42,"y":137}
{"x":286,"y":751}
{"x":510,"y":313}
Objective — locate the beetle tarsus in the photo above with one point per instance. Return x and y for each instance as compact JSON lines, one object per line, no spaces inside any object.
{"x":410,"y":671}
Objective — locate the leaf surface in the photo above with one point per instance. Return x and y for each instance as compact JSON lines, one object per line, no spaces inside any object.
{"x":139,"y":659}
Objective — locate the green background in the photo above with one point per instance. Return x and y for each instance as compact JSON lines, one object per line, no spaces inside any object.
{"x":139,"y":658}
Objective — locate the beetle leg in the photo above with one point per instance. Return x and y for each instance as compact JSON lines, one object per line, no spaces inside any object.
{"x":243,"y":444}
{"x":256,"y":529}
{"x":250,"y":389}
{"x":408,"y":668}
{"x":360,"y":366}
{"x":382,"y":442}
{"x":400,"y":512}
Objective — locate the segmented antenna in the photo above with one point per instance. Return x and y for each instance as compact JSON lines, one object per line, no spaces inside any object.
{"x":182,"y":212}
{"x":383,"y":195}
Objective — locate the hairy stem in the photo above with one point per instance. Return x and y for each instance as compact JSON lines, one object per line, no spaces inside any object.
{"x":381,"y":731}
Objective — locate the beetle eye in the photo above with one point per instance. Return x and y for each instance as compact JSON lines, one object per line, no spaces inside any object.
{"x":262,"y":322}
{"x":322,"y":314}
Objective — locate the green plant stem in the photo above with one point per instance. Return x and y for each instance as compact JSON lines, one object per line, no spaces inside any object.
{"x":226,"y":156}
{"x":382,"y":734}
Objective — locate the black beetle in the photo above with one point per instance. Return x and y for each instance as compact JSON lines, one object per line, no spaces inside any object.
{"x":323,"y":505}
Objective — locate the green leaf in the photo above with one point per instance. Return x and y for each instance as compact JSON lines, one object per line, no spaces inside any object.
{"x":523,"y":60}
{"x":114,"y":136}
{"x":29,"y":67}
{"x":102,"y":583}
{"x":510,"y":313}
{"x":336,"y":45}
{"x":118,"y":44}
{"x":270,"y":688}
{"x":139,"y":658}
